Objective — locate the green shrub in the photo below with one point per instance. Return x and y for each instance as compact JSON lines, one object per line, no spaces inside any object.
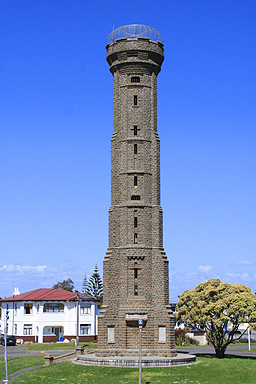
{"x":181,"y":339}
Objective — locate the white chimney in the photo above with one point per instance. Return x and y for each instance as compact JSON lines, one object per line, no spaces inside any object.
{"x":16,"y":292}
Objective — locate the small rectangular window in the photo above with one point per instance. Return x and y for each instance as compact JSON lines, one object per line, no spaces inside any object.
{"x":15,"y":329}
{"x":85,"y":329}
{"x":27,"y":330}
{"x":135,"y":290}
{"x":135,"y":130}
{"x":135,"y":149}
{"x":135,"y":238}
{"x":135,"y":100}
{"x":135,"y":181}
{"x":28,"y":308}
{"x":135,"y":79}
{"x":135,"y":273}
{"x":85,"y":309}
{"x":135,"y":197}
{"x":135,"y":222}
{"x":53,"y":307}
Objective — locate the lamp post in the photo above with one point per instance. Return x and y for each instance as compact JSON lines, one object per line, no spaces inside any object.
{"x":249,"y":339}
{"x":77,"y":320}
{"x":5,"y":348}
{"x":140,"y":322}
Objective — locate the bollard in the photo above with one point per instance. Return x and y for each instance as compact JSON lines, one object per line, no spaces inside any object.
{"x":48,"y":360}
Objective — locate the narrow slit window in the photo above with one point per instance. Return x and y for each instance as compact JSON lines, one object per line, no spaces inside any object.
{"x":135,"y":100}
{"x":135,"y":149}
{"x":135,"y":273}
{"x":135,"y":238}
{"x":135,"y":290}
{"x":135,"y":130}
{"x":135,"y":181}
{"x":135,"y":222}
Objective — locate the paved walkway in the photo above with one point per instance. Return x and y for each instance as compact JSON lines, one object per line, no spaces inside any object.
{"x":21,"y":350}
{"x":16,"y":374}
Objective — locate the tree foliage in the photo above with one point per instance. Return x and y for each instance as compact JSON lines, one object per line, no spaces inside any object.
{"x":94,"y":286}
{"x":218,"y":309}
{"x":68,"y":285}
{"x":182,"y":339}
{"x":84,"y":285}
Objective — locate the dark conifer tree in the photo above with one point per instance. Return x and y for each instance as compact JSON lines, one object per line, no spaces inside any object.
{"x":95,"y":286}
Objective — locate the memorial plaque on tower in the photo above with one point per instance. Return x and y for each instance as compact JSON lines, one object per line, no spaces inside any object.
{"x":135,"y":268}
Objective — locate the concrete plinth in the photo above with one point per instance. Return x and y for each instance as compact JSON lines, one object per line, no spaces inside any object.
{"x":133,"y":361}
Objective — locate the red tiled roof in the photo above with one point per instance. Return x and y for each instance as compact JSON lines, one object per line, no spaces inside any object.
{"x":46,"y":294}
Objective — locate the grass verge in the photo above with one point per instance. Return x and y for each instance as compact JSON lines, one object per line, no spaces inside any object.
{"x":209,"y":370}
{"x":57,"y":346}
{"x":17,"y":363}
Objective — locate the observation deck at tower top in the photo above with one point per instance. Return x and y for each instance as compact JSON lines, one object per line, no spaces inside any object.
{"x":134,"y":31}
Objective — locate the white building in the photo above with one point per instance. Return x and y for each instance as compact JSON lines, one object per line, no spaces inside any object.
{"x":46,"y":315}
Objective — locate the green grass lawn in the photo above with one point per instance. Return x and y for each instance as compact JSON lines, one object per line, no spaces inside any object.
{"x":208,"y":370}
{"x":56,"y":346}
{"x":17,"y":363}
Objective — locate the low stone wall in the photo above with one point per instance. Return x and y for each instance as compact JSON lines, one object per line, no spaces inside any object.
{"x":27,"y":338}
{"x":85,"y":338}
{"x":49,"y":339}
{"x":50,"y":359}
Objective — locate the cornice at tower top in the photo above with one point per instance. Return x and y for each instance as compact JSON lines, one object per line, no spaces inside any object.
{"x":137,"y":51}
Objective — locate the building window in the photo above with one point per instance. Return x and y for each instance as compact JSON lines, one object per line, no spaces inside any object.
{"x":135,"y":273}
{"x":27,"y":330}
{"x":15,"y":329}
{"x":135,"y":181}
{"x":28,"y":307}
{"x":135,"y":197}
{"x":135,"y":130}
{"x":135,"y":100}
{"x":111,"y":334}
{"x":85,"y":329}
{"x":15,"y":308}
{"x":135,"y":238}
{"x":53,"y":307}
{"x":135,"y":79}
{"x":85,"y":309}
{"x":162,"y":334}
{"x":135,"y":290}
{"x":135,"y":149}
{"x":135,"y":222}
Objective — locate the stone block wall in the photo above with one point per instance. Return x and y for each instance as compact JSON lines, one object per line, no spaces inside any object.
{"x":135,"y":272}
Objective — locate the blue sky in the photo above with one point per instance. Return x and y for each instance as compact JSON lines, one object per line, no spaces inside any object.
{"x":56,"y":123}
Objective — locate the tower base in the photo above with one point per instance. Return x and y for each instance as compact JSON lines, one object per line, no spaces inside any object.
{"x":133,"y":361}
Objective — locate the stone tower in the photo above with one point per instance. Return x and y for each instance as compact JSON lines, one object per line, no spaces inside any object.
{"x":135,"y":272}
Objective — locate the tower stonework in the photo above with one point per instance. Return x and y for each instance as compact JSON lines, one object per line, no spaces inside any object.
{"x":135,"y":271}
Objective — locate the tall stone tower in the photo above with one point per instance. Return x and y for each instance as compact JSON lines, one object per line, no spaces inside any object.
{"x":135,"y":272}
